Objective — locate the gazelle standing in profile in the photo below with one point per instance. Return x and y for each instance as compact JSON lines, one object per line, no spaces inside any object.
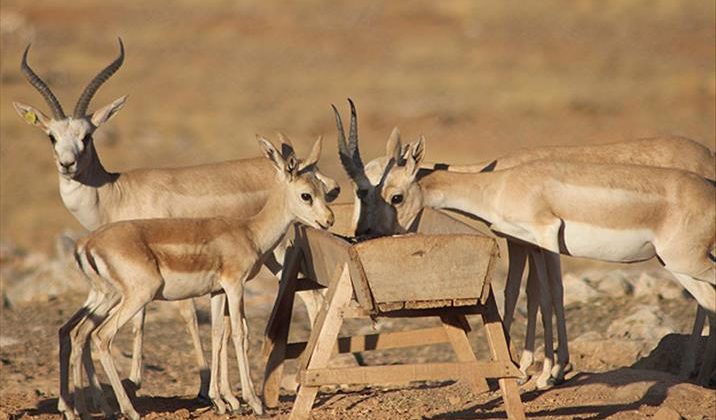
{"x":374,"y":216}
{"x":96,"y":196}
{"x":138,"y":261}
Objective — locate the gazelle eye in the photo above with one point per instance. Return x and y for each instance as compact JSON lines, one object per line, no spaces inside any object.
{"x":396,"y":199}
{"x":307,"y":198}
{"x":52,"y":138}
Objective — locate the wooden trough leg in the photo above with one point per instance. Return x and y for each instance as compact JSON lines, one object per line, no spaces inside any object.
{"x":498,"y":348}
{"x":276,"y":336}
{"x":322,"y":341}
{"x":456,"y":328}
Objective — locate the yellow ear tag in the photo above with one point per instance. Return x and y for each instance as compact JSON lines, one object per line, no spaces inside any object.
{"x":30,"y":117}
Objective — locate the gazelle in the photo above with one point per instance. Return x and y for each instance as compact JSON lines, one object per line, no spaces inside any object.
{"x":95,"y":196}
{"x":139,"y":261}
{"x":374,"y":216}
{"x":617,"y":213}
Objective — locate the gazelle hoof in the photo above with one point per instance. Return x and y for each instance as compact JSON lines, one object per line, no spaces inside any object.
{"x":549,"y":383}
{"x":219,"y":406}
{"x":203,"y":399}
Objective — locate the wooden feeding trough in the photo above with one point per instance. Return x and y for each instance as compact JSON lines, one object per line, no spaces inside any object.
{"x":443,"y":270}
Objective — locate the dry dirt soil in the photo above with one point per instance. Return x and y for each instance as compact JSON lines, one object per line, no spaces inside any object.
{"x":477,"y":78}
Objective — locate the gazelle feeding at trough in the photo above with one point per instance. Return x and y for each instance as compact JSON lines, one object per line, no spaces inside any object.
{"x":373,"y":215}
{"x":96,"y":196}
{"x":617,"y":213}
{"x":665,"y":152}
{"x":138,"y":261}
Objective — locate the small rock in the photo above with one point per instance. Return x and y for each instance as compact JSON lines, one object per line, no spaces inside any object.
{"x":607,"y":353}
{"x":7,"y":341}
{"x":667,"y":413}
{"x":577,"y":290}
{"x":614,"y":285}
{"x":646,"y":323}
{"x":649,"y":284}
{"x":454,"y":400}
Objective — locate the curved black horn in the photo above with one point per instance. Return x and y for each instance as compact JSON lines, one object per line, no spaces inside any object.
{"x":41,"y":87}
{"x":353,"y":135}
{"x":342,"y":146}
{"x":99,"y":79}
{"x":350,"y":160}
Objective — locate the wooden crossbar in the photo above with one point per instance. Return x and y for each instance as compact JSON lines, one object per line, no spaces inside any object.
{"x":380,"y":341}
{"x":398,"y":374}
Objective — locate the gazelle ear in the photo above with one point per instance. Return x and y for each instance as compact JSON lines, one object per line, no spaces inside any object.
{"x":419,"y":150}
{"x":286,"y":145}
{"x":413,"y":156}
{"x":315,"y":154}
{"x":271,"y":153}
{"x":32,"y":116}
{"x":104,"y":114}
{"x":393,"y":147}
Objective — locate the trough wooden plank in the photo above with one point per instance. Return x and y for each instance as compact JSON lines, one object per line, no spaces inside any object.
{"x":425,"y":267}
{"x":400,"y":374}
{"x":381,"y":341}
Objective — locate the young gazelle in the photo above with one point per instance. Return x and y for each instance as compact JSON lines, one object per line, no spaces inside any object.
{"x":374,"y":216}
{"x":135,"y":262}
{"x":617,"y":213}
{"x":95,"y":196}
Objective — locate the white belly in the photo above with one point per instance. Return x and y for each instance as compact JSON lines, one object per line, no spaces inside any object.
{"x":616,"y":245}
{"x":179,"y":285}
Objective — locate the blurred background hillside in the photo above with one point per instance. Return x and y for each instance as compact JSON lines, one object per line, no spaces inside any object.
{"x":477,"y":78}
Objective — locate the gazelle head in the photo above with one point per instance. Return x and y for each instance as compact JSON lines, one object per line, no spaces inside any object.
{"x":310,"y":164}
{"x":71,"y":136}
{"x":374,"y":210}
{"x":304,"y":192}
{"x":400,"y":186}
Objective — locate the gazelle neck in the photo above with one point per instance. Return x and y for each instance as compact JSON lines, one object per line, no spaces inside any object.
{"x":472,"y":193}
{"x":82,"y":193}
{"x":270,"y":224}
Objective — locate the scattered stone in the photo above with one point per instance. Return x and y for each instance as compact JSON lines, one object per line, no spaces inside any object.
{"x":577,"y":290}
{"x":7,"y":341}
{"x":647,"y":323}
{"x":667,"y":413}
{"x":35,"y":277}
{"x":614,"y":285}
{"x":648,"y":284}
{"x":603,"y":353}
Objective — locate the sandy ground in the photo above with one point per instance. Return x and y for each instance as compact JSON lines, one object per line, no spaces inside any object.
{"x":478,"y":79}
{"x":607,"y":386}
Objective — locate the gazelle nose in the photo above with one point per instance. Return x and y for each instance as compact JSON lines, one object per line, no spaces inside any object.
{"x":67,"y":165}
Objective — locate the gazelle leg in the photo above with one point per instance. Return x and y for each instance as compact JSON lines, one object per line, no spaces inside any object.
{"x":517,"y":257}
{"x":544,"y":381}
{"x":227,"y":392}
{"x":81,"y":353}
{"x":235,"y":295}
{"x":64,"y":406}
{"x":688,"y":364}
{"x":554,"y":275}
{"x":127,"y":307}
{"x":707,"y":366}
{"x":187,"y":310}
{"x":527,"y":358}
{"x":136,"y":370}
{"x":217,"y":329}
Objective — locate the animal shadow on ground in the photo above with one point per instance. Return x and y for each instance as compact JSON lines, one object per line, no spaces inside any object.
{"x":144,"y":403}
{"x":657,"y":368}
{"x":667,"y":355}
